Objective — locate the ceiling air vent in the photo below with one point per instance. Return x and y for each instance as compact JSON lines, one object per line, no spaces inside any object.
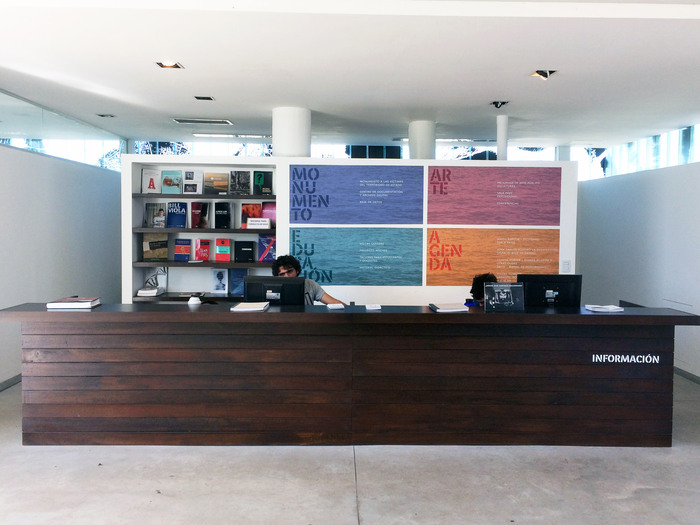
{"x":203,"y":121}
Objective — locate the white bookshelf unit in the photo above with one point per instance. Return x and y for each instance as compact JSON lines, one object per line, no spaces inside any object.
{"x":185,"y":277}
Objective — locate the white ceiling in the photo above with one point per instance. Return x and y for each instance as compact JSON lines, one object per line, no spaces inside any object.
{"x":364,"y":68}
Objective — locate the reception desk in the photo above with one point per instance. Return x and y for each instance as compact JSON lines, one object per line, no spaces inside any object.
{"x":170,"y":374}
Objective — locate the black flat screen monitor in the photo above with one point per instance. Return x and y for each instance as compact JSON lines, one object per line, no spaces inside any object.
{"x":276,"y":290}
{"x":551,"y":290}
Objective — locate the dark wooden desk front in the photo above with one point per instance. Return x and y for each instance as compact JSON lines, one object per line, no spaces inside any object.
{"x":172,"y":375}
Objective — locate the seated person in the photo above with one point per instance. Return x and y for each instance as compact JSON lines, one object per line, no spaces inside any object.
{"x":477,"y":290}
{"x":289,"y":266}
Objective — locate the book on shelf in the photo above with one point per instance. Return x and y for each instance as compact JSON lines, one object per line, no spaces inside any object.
{"x":199,"y":214}
{"x":215,"y":183}
{"x":150,"y":291}
{"x":155,"y":246}
{"x":239,"y":182}
{"x":171,"y":181}
{"x":448,"y":307}
{"x":154,"y":216}
{"x":269,"y":211}
{"x":222,"y":215}
{"x":251,"y":307}
{"x":74,"y":302}
{"x":219,"y":282}
{"x":193,"y":182}
{"x":177,"y":215}
{"x":183,"y":249}
{"x":250,"y":210}
{"x":222,"y":250}
{"x":201,"y":249}
{"x":244,"y":251}
{"x":262,"y":182}
{"x":266,"y":248}
{"x":504,"y":297}
{"x":150,"y":180}
{"x":236,"y":279}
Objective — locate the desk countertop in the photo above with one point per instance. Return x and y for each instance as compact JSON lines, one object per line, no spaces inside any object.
{"x":178,"y":312}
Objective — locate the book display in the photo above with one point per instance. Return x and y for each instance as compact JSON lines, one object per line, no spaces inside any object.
{"x":197,"y":210}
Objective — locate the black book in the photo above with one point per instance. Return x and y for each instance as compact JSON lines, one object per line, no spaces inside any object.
{"x":244,"y":251}
{"x":222,"y":215}
{"x":262,"y":183}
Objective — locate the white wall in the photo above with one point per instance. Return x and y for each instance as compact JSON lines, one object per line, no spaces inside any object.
{"x":639,"y":240}
{"x":60,"y":235}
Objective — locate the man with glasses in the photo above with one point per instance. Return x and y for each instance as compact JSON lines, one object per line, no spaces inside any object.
{"x":289,"y":266}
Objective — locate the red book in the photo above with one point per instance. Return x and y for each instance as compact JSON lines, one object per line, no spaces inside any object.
{"x":222,"y":252}
{"x":201,"y":249}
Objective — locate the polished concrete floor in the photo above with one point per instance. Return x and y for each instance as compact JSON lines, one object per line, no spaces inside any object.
{"x":368,"y":485}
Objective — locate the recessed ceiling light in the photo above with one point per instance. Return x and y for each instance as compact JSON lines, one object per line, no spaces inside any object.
{"x":105,"y":115}
{"x":198,"y":121}
{"x":203,"y":97}
{"x":170,"y":65}
{"x":544,"y":74}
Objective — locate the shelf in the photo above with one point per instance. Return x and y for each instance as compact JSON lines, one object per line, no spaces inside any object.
{"x":251,"y":231}
{"x":176,"y":296}
{"x":204,"y":196}
{"x":203,"y":264}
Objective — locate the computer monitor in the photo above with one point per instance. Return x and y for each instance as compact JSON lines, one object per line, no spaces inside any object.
{"x":552,"y":289}
{"x":276,"y":290}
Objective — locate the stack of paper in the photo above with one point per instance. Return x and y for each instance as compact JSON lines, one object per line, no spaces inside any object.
{"x":605,"y":308}
{"x":448,"y":307}
{"x":251,"y":307}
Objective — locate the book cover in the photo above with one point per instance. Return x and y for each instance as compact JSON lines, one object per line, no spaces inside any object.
{"x":155,"y":247}
{"x":199,"y":214}
{"x":267,"y":251}
{"x":219,"y":281}
{"x":244,"y":251}
{"x":222,"y":215}
{"x":201,"y":249}
{"x":222,"y":250}
{"x":171,"y":181}
{"x":154,"y":217}
{"x":150,"y":180}
{"x":503,"y":297}
{"x":193,"y":182}
{"x":183,"y":249}
{"x":262,"y":183}
{"x":269,"y":211}
{"x":250,"y":210}
{"x":215,"y":183}
{"x":236,"y":277}
{"x":239,"y":182}
{"x":176,"y":215}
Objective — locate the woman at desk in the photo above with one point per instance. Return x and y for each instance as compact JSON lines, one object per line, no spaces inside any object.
{"x":477,"y":290}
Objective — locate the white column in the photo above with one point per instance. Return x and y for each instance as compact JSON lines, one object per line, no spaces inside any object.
{"x":421,"y":139}
{"x":502,"y":137}
{"x":562,"y":152}
{"x":291,"y":132}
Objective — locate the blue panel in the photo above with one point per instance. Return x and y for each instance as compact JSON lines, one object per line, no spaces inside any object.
{"x":355,"y":194}
{"x":359,"y":256}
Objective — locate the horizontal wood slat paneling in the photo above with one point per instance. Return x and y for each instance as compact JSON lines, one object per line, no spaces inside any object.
{"x":341,"y":379}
